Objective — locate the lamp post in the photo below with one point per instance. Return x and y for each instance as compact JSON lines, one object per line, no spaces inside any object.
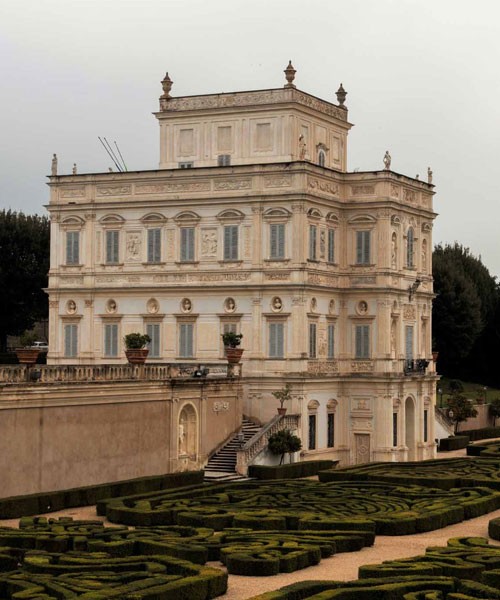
{"x":440,"y":392}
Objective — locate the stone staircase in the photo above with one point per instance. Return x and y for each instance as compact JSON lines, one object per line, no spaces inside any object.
{"x":222,"y":465}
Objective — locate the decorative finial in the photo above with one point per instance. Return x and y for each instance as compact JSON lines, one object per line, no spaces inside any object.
{"x":429,"y":175}
{"x":74,"y":169}
{"x":341,"y":95}
{"x":387,"y":160}
{"x":53,"y":169}
{"x":290,"y":75}
{"x":417,"y":176}
{"x":167,"y":86}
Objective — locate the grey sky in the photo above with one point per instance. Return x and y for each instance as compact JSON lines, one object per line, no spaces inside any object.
{"x":421,"y":77}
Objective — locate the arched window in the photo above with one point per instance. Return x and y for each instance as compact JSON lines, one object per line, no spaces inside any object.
{"x":321,"y":158}
{"x":410,"y":247}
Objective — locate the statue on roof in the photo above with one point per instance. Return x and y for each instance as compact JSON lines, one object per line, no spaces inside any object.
{"x":53,"y":169}
{"x":387,"y":160}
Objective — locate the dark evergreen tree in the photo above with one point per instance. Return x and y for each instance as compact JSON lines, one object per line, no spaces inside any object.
{"x":464,"y":312}
{"x":24,"y":265}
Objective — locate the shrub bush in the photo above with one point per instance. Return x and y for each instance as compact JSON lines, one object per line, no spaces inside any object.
{"x":33,"y":504}
{"x":455,"y":442}
{"x":290,"y":471}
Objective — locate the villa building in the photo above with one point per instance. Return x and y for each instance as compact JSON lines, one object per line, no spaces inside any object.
{"x":253,"y":224}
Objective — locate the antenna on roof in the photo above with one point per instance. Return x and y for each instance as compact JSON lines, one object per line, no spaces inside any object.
{"x":124,"y":165}
{"x":110,"y":154}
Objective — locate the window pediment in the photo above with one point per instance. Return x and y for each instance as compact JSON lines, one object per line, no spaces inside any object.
{"x":72,"y":222}
{"x":230,"y":216}
{"x":332,"y":218}
{"x":187,"y":217}
{"x":153,"y":219}
{"x":362,"y":220}
{"x":314,"y":213}
{"x":277,"y":213}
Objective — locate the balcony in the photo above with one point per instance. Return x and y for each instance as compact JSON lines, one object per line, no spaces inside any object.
{"x":415,"y":366}
{"x":49,"y":374}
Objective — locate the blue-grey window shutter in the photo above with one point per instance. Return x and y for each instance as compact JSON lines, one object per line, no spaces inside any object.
{"x":70,"y":340}
{"x":409,"y":342}
{"x":312,"y":242}
{"x":187,"y":243}
{"x":153,"y":330}
{"x":331,"y":245}
{"x":231,"y":242}
{"x":72,"y":247}
{"x":312,"y":340}
{"x":331,"y":341}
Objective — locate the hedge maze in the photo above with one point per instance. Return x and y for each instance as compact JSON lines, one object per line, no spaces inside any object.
{"x":163,"y":539}
{"x":466,"y":569}
{"x":393,"y":509}
{"x":445,"y":473}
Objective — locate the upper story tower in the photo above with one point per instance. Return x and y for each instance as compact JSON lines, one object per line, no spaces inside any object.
{"x":253,"y":127}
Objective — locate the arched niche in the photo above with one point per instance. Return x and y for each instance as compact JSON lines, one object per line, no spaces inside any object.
{"x":188,"y":432}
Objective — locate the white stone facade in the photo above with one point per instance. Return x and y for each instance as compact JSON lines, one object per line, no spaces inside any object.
{"x":252,"y":223}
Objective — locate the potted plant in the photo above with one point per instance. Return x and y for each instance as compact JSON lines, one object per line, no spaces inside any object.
{"x":283,"y":395}
{"x":26,"y":354}
{"x":231,"y":341}
{"x":135,"y":347}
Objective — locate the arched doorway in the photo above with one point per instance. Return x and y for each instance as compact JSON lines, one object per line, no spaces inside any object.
{"x":410,"y":427}
{"x":188,"y":432}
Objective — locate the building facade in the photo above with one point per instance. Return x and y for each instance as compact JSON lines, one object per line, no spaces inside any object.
{"x":253,"y":224}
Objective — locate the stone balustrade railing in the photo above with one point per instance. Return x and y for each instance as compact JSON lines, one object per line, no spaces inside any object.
{"x":46,"y":374}
{"x":385,"y":366}
{"x":258,"y":442}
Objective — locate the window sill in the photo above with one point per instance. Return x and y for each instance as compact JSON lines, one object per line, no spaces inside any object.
{"x":313,"y":260}
{"x":117,"y":264}
{"x":230,"y":261}
{"x":153,"y":264}
{"x":276,"y":260}
{"x":184,"y":262}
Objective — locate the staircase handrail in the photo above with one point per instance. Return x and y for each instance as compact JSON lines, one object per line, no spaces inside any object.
{"x":258,"y":442}
{"x":444,"y":419}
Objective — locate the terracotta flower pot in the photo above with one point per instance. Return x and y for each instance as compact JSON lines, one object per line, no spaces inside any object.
{"x":27,"y":356}
{"x":282,"y":411}
{"x":435,"y":355}
{"x":137,"y":356}
{"x":233,"y":355}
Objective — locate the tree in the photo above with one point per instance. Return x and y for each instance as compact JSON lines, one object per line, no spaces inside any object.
{"x":284,"y":442}
{"x":459,"y":409}
{"x":466,"y":303}
{"x":24,"y":264}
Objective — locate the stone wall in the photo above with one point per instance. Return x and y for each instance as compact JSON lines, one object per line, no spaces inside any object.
{"x":59,"y":436}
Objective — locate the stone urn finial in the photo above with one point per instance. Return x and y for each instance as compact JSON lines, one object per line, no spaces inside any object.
{"x":341,"y":95}
{"x":290,"y":75}
{"x":167,"y":86}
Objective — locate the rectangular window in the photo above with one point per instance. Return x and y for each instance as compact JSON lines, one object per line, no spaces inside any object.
{"x":70,"y":341}
{"x":363,"y":247}
{"x":153,"y":330}
{"x":312,"y":432}
{"x":313,"y":232}
{"x":231,"y":242}
{"x":426,"y":425}
{"x":187,"y":244}
{"x":330,"y":438}
{"x":73,"y":248}
{"x":276,"y":345}
{"x":331,"y":341}
{"x":395,"y":429}
{"x":111,"y":339}
{"x":312,"y":340}
{"x":409,"y":342}
{"x":112,"y":246}
{"x":154,"y":245}
{"x":186,"y":340}
{"x":224,"y":160}
{"x":362,"y":341}
{"x":277,"y":235}
{"x":331,"y":245}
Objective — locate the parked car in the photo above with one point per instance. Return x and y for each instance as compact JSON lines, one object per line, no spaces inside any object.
{"x":41,"y":346}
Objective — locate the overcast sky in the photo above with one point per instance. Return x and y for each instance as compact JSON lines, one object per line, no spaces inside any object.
{"x":421,"y":76}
